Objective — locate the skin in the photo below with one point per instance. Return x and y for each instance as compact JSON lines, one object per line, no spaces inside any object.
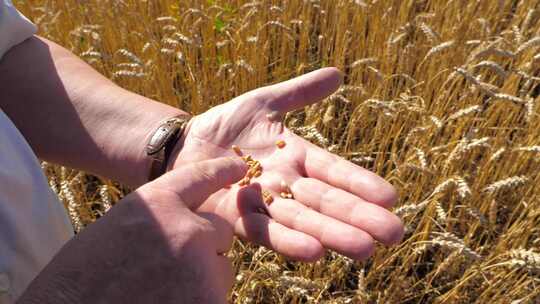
{"x":337,"y":204}
{"x":87,"y":122}
{"x":157,"y":249}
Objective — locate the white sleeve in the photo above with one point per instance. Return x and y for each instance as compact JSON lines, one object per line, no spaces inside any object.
{"x":14,"y":27}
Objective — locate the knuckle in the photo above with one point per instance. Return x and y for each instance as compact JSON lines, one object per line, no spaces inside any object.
{"x":258,"y":95}
{"x":203,"y":172}
{"x":199,"y":226}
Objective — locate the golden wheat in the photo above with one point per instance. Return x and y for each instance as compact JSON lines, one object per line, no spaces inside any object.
{"x":440,"y":97}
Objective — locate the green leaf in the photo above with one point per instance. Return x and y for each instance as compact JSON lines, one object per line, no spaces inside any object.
{"x":219,"y":24}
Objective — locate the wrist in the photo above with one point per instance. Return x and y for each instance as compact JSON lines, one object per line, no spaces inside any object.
{"x":175,"y":154}
{"x":163,"y":141}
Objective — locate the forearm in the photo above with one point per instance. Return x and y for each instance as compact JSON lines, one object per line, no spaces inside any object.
{"x":72,"y":115}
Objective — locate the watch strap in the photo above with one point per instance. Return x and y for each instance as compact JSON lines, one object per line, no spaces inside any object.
{"x":162,"y":143}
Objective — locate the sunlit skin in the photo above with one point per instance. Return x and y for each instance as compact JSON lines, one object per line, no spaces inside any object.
{"x":337,"y":205}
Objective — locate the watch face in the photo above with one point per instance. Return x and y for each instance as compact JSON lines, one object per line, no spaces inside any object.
{"x":160,"y":138}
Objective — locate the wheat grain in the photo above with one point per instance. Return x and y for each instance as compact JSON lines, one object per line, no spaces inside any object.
{"x":170,"y":43}
{"x":497,"y":154}
{"x":91,"y":54}
{"x":267,"y":197}
{"x":166,"y":19}
{"x":169,"y":28}
{"x":129,"y":65}
{"x":474,"y":42}
{"x":362,"y":159}
{"x":447,"y":262}
{"x":494,"y":52}
{"x":67,"y":194}
{"x":466,"y":145}
{"x":518,"y":37}
{"x":237,"y":150}
{"x":533,"y":42}
{"x":166,"y":51}
{"x":247,"y":67}
{"x":431,"y":35}
{"x":129,"y":55}
{"x":421,"y":157}
{"x":463,"y":189}
{"x":252,"y":39}
{"x":106,"y":200}
{"x":410,"y":209}
{"x":223,"y":68}
{"x":493,"y":66}
{"x":339,"y":97}
{"x":485,"y":87}
{"x":451,"y":242}
{"x":506,"y":183}
{"x":287,"y":280}
{"x":364,"y":61}
{"x":528,"y":20}
{"x":526,"y":258}
{"x":535,"y":149}
{"x":436,"y":121}
{"x":463,"y":112}
{"x":129,"y":74}
{"x":285,"y":190}
{"x":507,"y":97}
{"x":378,"y":73}
{"x":276,"y":9}
{"x":439,"y":48}
{"x":223,"y":43}
{"x":183,"y":38}
{"x":441,"y":214}
{"x":311,"y":133}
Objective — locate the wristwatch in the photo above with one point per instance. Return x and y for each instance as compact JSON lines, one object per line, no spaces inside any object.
{"x":162,"y":143}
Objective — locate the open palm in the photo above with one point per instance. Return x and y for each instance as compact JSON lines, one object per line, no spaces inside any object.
{"x":336,"y":205}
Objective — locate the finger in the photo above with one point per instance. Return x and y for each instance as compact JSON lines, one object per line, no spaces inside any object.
{"x":332,"y":234}
{"x":338,"y":172}
{"x":223,"y":235}
{"x":380,"y":223}
{"x":194,"y":183}
{"x":302,"y":91}
{"x":261,"y":229}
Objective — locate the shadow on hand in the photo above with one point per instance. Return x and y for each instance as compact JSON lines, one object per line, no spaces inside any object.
{"x":137,"y":253}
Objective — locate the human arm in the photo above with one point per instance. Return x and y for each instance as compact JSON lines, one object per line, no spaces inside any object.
{"x":72,"y":115}
{"x":91,"y":124}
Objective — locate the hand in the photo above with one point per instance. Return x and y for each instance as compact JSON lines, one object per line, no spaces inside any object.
{"x":150,"y":248}
{"x":336,"y":205}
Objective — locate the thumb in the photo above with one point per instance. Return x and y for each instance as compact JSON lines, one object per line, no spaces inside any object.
{"x":194,"y":183}
{"x":303,"y":90}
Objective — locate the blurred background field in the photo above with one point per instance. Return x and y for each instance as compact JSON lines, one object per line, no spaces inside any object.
{"x":440,"y":97}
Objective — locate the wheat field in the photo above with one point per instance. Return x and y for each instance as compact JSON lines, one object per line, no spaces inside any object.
{"x":440,"y":98}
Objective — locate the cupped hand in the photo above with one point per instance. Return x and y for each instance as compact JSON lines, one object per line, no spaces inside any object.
{"x":336,"y":204}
